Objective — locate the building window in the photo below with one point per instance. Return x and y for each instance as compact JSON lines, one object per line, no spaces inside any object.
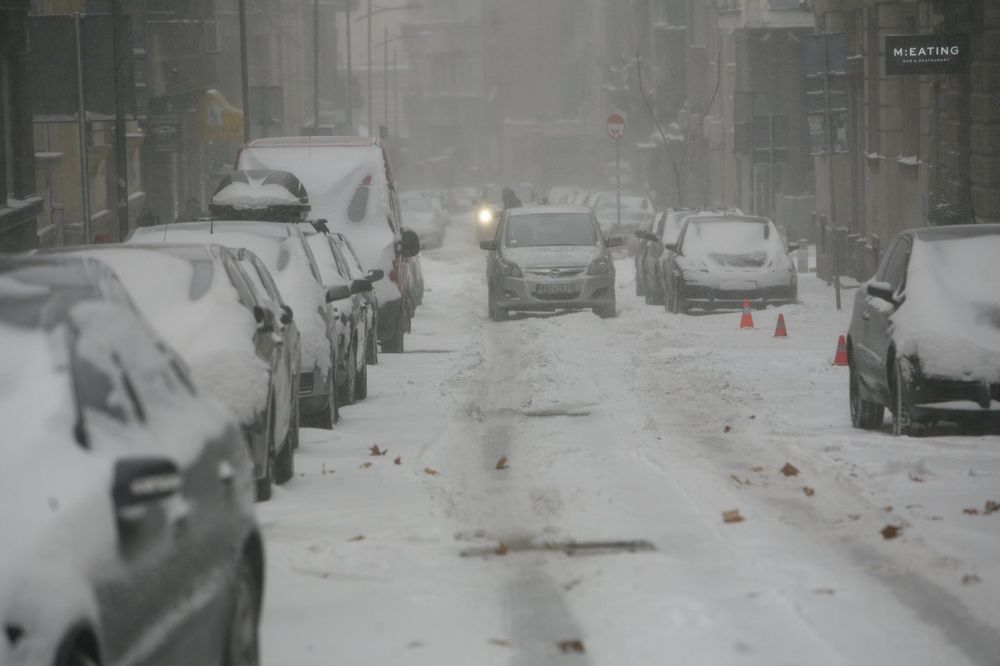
{"x":211,"y":37}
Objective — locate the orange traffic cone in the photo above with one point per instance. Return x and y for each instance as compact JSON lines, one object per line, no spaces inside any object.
{"x":746,"y":321}
{"x":840,"y":358}
{"x":780,"y":331}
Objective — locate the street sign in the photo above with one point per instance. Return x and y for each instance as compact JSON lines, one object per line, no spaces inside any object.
{"x":616,"y":126}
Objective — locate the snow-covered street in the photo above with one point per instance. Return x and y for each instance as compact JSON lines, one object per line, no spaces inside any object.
{"x":551,"y":489}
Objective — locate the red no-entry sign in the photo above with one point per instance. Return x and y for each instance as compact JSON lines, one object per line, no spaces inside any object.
{"x":616,"y":126}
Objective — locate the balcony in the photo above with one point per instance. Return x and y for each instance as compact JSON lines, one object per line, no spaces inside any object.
{"x":750,"y":14}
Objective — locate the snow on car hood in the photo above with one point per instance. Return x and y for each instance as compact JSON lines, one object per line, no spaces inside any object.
{"x":556,"y":256}
{"x":331,"y":176}
{"x":213,"y":331}
{"x":950,"y":317}
{"x":738,"y":247}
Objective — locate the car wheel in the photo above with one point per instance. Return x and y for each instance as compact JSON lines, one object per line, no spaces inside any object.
{"x":75,"y":654}
{"x":865,"y":414}
{"x":361,"y":383}
{"x":902,"y":419}
{"x":242,"y":645}
{"x":265,"y":483}
{"x":293,"y":427}
{"x":609,"y":311}
{"x":371,"y":348}
{"x":284,"y":460}
{"x":677,"y":304}
{"x":345,"y":392}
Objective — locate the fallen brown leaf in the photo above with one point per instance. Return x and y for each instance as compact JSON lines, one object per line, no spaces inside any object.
{"x":430,"y":471}
{"x":854,"y":516}
{"x":500,"y":641}
{"x":971,"y":512}
{"x":571,"y":646}
{"x":891,"y":532}
{"x":375,"y":451}
{"x":790,"y":470}
{"x":502,"y":462}
{"x":916,"y":478}
{"x":398,"y":460}
{"x":991,"y":507}
{"x":360,"y":537}
{"x":365,"y":465}
{"x":757,"y":468}
{"x":727,"y":429}
{"x":732,"y":516}
{"x":971,"y":579}
{"x":887,"y":508}
{"x":808,"y":491}
{"x":501,"y":549}
{"x":823,"y":590}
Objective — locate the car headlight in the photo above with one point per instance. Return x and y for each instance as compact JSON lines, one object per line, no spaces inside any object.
{"x":599,"y":266}
{"x":485,"y":216}
{"x":509,"y":269}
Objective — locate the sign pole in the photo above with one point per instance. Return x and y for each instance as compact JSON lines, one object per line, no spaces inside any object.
{"x":618,"y":178}
{"x":81,"y":117}
{"x":121,"y":155}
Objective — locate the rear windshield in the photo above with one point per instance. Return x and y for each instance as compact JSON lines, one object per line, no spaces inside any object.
{"x":727,"y":236}
{"x":551,"y":229}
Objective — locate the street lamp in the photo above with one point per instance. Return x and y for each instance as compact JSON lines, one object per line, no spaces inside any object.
{"x":368,"y":17}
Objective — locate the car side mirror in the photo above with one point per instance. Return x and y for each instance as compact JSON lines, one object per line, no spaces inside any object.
{"x":489,"y":245}
{"x":338,"y":293}
{"x":671,"y":247}
{"x":139,"y":481}
{"x":375,"y":274}
{"x":411,"y":243}
{"x":286,"y":315}
{"x":614,"y":241}
{"x":881,"y":290}
{"x":263,"y":317}
{"x":361,"y":287}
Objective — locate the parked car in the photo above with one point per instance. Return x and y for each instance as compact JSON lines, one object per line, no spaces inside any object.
{"x":924,"y":338}
{"x":720,"y":260}
{"x":357,"y":272}
{"x":350,"y":184}
{"x":349,"y":308}
{"x":664,"y":229}
{"x":635,"y":211}
{"x":285,"y":253}
{"x":200,"y":300}
{"x":426,"y":218}
{"x":126,"y":493}
{"x":550,"y":258}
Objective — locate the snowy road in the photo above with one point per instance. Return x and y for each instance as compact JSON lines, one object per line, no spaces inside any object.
{"x":631,"y":435}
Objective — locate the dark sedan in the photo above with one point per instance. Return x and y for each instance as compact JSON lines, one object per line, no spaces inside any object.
{"x":924,"y":339}
{"x":720,"y":260}
{"x":126,"y":495}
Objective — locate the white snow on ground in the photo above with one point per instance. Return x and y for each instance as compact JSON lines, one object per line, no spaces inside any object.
{"x":647,"y":426}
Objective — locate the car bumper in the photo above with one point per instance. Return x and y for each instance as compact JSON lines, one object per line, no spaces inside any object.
{"x":732,"y":294}
{"x":929,"y":397}
{"x":585,"y":291}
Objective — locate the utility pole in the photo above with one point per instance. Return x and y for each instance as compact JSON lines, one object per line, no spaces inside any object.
{"x":395,"y":93}
{"x":244,"y":74}
{"x":385,"y":76}
{"x":316,"y":66}
{"x":121,"y":153}
{"x":369,"y":100}
{"x":81,"y":112}
{"x":350,"y":75}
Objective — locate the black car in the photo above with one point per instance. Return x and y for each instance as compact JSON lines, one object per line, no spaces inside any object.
{"x":126,"y":495}
{"x":924,"y":339}
{"x":719,"y":260}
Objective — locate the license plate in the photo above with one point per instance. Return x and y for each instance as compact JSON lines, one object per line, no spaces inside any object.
{"x":551,"y":289}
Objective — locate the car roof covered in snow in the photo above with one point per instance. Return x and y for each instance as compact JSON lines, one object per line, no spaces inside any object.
{"x":162,"y":231}
{"x":548,"y":210}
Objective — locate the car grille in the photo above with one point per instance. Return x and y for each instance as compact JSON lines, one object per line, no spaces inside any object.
{"x":305,"y":383}
{"x":556,"y":272}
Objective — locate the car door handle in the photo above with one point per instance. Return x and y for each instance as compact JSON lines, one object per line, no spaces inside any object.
{"x":866,"y":315}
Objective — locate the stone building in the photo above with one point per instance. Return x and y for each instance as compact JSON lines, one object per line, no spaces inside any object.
{"x":922,"y":148}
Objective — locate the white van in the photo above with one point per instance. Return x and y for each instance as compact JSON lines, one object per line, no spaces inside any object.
{"x":349,"y":183}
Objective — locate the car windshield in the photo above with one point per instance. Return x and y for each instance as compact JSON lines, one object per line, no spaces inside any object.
{"x":550,"y":229}
{"x":727,"y":236}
